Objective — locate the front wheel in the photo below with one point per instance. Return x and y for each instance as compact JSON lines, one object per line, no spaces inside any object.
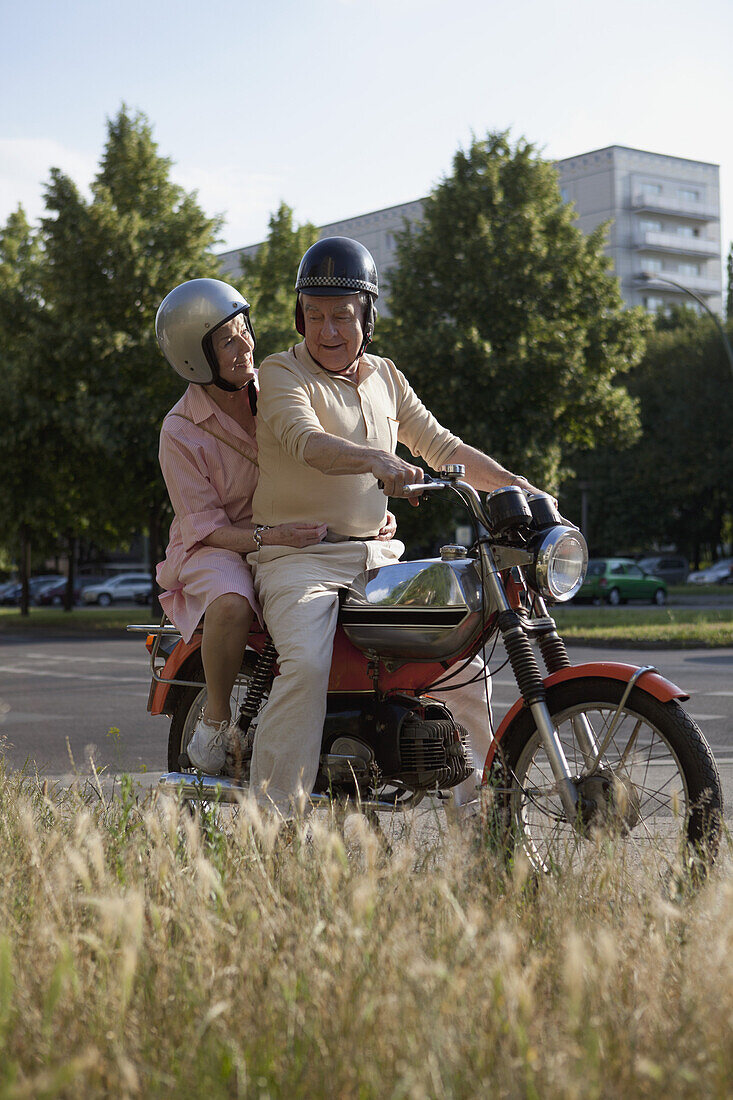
{"x":659,"y":597}
{"x":657,"y":788}
{"x":104,"y":599}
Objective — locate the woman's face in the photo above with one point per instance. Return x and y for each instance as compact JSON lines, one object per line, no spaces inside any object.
{"x":233,"y":346}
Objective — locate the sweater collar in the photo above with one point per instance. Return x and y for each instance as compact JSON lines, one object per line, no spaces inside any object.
{"x":304,"y":357}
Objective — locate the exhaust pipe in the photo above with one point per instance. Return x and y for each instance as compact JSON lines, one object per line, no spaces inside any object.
{"x":224,"y":789}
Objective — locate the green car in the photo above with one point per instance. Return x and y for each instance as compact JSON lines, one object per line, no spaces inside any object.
{"x":616,"y":580}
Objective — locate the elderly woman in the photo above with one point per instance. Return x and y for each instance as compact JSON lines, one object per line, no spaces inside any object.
{"x":208,"y":455}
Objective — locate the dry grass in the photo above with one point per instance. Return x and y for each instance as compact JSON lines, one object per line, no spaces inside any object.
{"x":147,"y":953}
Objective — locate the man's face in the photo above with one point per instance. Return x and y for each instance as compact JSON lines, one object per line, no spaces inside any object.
{"x":333,"y":330}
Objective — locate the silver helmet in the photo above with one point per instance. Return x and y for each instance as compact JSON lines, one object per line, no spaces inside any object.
{"x":184,"y":324}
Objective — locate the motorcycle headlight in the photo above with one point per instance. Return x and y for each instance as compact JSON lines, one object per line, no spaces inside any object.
{"x":560,"y":565}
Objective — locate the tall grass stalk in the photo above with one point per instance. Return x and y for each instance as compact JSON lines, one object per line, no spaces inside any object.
{"x":146,"y":952}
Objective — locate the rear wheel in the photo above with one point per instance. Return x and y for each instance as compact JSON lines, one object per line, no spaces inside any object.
{"x":614,"y":597}
{"x":657,"y":789}
{"x":191,"y":702}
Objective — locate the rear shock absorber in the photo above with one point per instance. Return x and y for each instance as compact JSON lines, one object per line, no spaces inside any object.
{"x":259,"y":684}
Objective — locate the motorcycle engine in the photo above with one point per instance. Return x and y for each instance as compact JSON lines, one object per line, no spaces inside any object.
{"x":433,"y":753}
{"x":412,"y":742}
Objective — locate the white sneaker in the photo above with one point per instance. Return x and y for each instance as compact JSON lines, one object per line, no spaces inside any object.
{"x":207,"y":748}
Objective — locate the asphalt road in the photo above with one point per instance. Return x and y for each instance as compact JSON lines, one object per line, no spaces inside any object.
{"x":66,"y":698}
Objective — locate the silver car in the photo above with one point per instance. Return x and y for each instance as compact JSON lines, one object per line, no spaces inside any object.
{"x":126,"y":586}
{"x":719,"y":573}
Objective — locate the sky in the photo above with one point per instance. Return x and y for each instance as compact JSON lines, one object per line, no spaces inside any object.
{"x":339,"y":107}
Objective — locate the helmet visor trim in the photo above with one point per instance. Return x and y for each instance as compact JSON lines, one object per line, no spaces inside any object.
{"x":335,"y":286}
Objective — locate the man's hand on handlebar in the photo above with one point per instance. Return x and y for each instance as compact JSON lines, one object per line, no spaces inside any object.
{"x":393,"y":474}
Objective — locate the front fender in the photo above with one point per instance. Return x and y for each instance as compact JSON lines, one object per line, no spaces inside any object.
{"x":652,"y":682}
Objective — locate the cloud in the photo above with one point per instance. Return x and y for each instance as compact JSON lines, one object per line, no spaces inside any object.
{"x":25,"y":167}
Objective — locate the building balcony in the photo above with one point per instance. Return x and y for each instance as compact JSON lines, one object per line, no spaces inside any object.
{"x":700,"y":284}
{"x":675,"y":242}
{"x":669,"y":204}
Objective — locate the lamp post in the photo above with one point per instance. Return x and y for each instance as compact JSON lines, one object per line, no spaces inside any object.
{"x":647,"y":278}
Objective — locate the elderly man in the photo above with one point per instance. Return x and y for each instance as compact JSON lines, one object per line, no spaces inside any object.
{"x":329,"y":419}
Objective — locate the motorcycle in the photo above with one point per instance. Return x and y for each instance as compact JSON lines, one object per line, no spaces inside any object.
{"x":601,"y":747}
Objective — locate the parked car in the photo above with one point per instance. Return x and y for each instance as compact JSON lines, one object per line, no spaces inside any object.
{"x":6,"y":586}
{"x":126,"y":586}
{"x":672,"y":568}
{"x":52,"y":594}
{"x":719,"y":573}
{"x":616,"y":580}
{"x":11,"y":596}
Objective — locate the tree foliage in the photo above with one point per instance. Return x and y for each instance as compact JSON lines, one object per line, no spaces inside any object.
{"x":507,"y":319}
{"x":35,"y":441}
{"x":269,"y":277}
{"x":675,"y":485}
{"x":98,"y":269}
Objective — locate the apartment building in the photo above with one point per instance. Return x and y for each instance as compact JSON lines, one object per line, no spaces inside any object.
{"x":663,"y":237}
{"x":376,"y":231}
{"x":664,"y":215}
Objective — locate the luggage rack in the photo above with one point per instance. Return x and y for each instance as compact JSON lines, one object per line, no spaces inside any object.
{"x":163,"y":629}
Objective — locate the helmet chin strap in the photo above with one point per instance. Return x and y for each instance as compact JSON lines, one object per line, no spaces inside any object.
{"x":223,"y":385}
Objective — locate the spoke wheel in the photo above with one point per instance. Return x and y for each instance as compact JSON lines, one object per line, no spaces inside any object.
{"x":657,"y":792}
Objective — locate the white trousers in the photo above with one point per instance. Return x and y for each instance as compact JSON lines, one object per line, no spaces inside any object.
{"x":299,"y":593}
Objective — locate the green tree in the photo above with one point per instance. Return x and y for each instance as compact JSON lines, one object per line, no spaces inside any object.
{"x":269,"y":277}
{"x":108,"y":264}
{"x":675,"y":485}
{"x":35,"y":441}
{"x":507,"y":319}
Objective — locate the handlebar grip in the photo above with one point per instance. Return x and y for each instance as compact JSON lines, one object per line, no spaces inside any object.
{"x":412,"y":488}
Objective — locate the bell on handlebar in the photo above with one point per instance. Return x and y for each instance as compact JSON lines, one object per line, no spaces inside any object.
{"x":544,"y":512}
{"x":507,"y":509}
{"x":453,"y":471}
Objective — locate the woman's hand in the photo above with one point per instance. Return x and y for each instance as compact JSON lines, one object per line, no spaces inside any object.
{"x":388,"y":531}
{"x":294,"y":534}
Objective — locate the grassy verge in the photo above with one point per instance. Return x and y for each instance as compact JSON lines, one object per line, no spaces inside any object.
{"x":684,"y":627}
{"x":676,"y":627}
{"x":82,"y":620}
{"x":146,"y":953}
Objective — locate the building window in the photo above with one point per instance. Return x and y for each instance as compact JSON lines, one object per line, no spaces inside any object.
{"x":651,"y":265}
{"x":688,"y":269}
{"x":687,"y":231}
{"x":565,"y":194}
{"x":649,"y":190}
{"x":687,"y":194}
{"x":653,"y":304}
{"x":650,"y":226}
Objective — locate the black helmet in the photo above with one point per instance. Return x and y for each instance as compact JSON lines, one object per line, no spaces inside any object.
{"x":334,"y":267}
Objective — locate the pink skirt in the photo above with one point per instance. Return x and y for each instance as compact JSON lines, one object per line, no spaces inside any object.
{"x":199,"y":579}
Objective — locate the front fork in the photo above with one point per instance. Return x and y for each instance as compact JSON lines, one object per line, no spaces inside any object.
{"x":529,"y":679}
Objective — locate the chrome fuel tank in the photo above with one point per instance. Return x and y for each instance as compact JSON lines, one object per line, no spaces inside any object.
{"x":426,"y":610}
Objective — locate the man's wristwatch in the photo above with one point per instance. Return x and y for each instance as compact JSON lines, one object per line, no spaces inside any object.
{"x":257,"y":533}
